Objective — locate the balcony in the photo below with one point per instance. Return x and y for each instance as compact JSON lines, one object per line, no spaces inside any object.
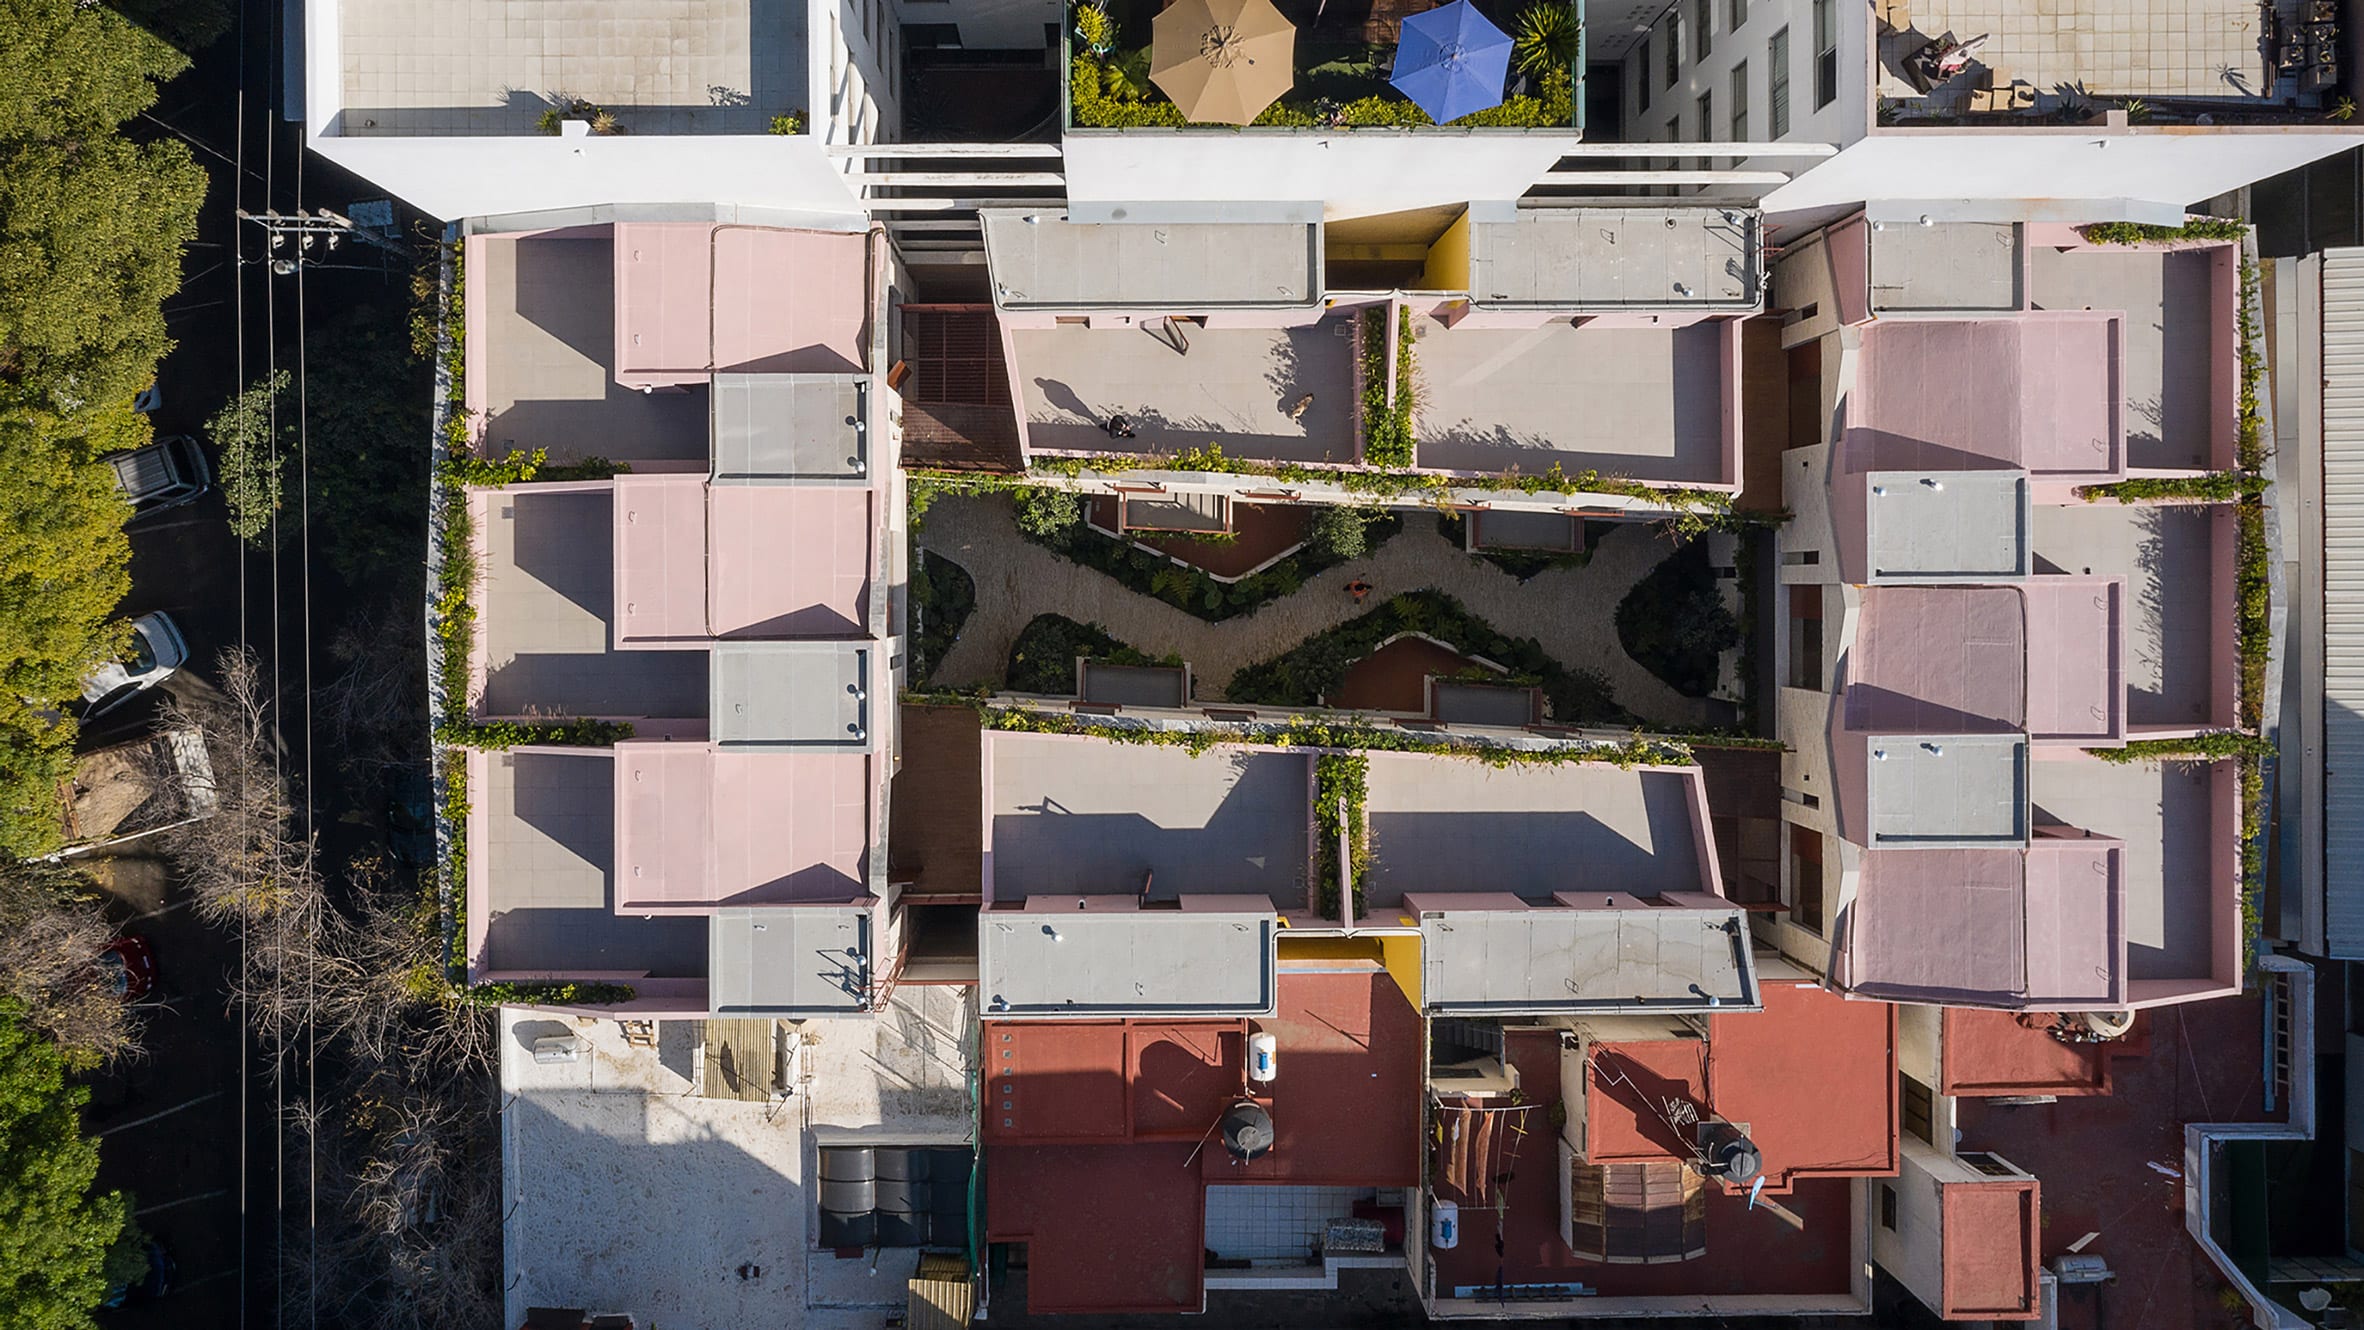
{"x":658,"y":67}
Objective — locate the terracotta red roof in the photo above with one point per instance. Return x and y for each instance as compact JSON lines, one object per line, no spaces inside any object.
{"x":1991,"y":1259}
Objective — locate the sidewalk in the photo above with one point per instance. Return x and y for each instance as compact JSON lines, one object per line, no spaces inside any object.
{"x":1572,"y":612}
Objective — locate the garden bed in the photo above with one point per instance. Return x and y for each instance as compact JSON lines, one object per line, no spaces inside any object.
{"x":1261,"y":533}
{"x":1043,"y":658}
{"x":1675,"y":625}
{"x":1192,"y":589}
{"x":1317,"y":668}
{"x":1526,"y":565}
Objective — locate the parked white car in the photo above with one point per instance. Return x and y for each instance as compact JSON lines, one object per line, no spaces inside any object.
{"x":157,"y":653}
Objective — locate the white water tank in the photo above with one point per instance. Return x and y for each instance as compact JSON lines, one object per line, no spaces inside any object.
{"x":1444,"y":1225}
{"x":1263,"y":1057}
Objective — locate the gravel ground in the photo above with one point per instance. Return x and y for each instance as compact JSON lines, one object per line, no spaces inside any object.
{"x":1571,"y":611}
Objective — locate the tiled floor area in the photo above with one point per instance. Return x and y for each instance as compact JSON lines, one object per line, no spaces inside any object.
{"x":2150,"y":48}
{"x":493,"y":66}
{"x":1275,"y":1223}
{"x":1638,"y":402}
{"x":1237,"y":387}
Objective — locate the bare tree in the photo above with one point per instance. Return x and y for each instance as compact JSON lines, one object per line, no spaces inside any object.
{"x":52,"y":929}
{"x":373,"y":712}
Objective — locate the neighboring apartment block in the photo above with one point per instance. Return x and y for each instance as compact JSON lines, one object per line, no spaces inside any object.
{"x":1133,"y":998}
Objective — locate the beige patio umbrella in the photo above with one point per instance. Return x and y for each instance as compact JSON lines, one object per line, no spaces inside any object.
{"x":1223,"y":61}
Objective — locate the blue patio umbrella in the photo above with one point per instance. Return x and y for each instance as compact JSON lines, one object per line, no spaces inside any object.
{"x":1450,"y":61}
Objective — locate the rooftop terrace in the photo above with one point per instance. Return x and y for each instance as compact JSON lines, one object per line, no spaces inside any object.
{"x":1069,"y":816}
{"x":2038,"y":57}
{"x":1278,"y":394}
{"x":2180,"y":336}
{"x":443,"y":67}
{"x":1442,"y":827}
{"x":1625,"y":398}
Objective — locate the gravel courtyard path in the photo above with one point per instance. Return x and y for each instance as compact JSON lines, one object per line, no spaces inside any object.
{"x":1571,"y":611}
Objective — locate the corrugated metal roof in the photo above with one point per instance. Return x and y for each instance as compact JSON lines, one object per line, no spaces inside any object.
{"x":2343,"y":602}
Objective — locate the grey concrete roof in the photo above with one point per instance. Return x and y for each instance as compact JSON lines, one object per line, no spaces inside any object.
{"x":1953,"y":267}
{"x":1041,"y":260}
{"x":1136,"y":685}
{"x":1949,"y":790}
{"x":802,"y":694}
{"x":1617,"y":258}
{"x":789,"y":960}
{"x":790,"y":427}
{"x":1948,"y":526}
{"x":1130,"y":962}
{"x":1547,"y":960}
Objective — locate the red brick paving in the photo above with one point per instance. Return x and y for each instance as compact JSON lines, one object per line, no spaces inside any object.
{"x":1262,"y":531}
{"x":1393,"y":678}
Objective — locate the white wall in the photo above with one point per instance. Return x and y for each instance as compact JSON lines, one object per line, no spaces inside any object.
{"x":1673,"y":114}
{"x":853,"y":51}
{"x":452,"y":178}
{"x":2046,"y":166}
{"x":1356,"y":174}
{"x":1913,"y":1251}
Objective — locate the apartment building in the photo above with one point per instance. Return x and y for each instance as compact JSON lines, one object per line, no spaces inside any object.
{"x":1969,"y":632}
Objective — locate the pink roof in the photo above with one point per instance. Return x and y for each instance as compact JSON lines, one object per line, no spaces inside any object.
{"x":2005,"y":927}
{"x":788,"y":560}
{"x":660,"y":558}
{"x":699,"y":827}
{"x":2041,"y":391}
{"x":2045,"y":655}
{"x":693,"y":298}
{"x":1937,"y":660}
{"x":2076,"y":636}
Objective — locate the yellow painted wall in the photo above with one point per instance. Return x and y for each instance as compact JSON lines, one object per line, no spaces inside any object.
{"x":1448,"y":259}
{"x":1401,"y":955}
{"x":1398,"y":955}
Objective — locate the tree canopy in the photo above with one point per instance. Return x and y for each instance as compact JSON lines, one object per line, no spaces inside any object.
{"x":54,"y":1231}
{"x":91,"y":231}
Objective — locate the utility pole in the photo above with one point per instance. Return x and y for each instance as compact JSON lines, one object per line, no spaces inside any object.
{"x":317,"y":227}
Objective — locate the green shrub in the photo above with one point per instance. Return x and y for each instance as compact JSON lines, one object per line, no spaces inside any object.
{"x":546,"y":993}
{"x":1674,"y":623}
{"x":2213,"y":746}
{"x":1387,"y":429}
{"x":1043,"y":658}
{"x":2136,"y":233}
{"x":791,"y":123}
{"x":1339,"y":532}
{"x":1092,"y":106}
{"x":1047,"y":511}
{"x":943,"y":595}
{"x":1341,"y":785}
{"x":1096,"y":28}
{"x":255,"y":445}
{"x":2213,"y":487}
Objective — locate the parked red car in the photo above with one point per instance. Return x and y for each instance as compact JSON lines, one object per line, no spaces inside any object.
{"x":128,"y":966}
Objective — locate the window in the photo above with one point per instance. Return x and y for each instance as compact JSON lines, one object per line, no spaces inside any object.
{"x":1703,"y":37}
{"x":1919,"y":1108}
{"x":1805,"y":637}
{"x":1641,"y":90}
{"x":1707,"y":115}
{"x":1735,"y":15}
{"x":1805,"y":877}
{"x":1740,"y":102}
{"x":1887,"y":1207}
{"x":1777,"y":83}
{"x":1674,"y":50}
{"x":932,"y":36}
{"x":1826,"y":52}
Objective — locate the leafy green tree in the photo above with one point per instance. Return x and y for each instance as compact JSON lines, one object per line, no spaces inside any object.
{"x":91,"y":230}
{"x":64,"y":565}
{"x":75,"y":68}
{"x":1046,"y":510}
{"x":256,"y":435}
{"x":55,"y":1232}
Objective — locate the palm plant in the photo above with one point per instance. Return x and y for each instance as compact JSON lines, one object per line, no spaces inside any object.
{"x":1096,"y":27}
{"x":1127,"y":76}
{"x":1545,"y":37}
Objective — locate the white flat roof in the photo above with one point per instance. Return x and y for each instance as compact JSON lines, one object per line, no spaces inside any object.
{"x":1035,"y":962}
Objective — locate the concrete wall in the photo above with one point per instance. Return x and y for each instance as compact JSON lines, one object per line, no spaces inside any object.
{"x":1914,"y":1251}
{"x":1169,"y":174}
{"x":2058,"y":174}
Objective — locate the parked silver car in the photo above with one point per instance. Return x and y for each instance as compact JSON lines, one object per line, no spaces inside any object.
{"x":157,"y":652}
{"x":165,"y":474}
